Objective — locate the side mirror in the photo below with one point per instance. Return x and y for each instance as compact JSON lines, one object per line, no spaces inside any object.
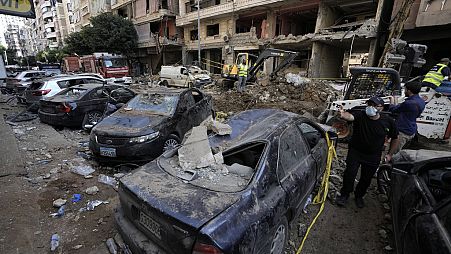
{"x":185,"y":72}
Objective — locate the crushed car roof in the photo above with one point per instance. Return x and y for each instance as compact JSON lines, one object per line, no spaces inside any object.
{"x":253,"y":125}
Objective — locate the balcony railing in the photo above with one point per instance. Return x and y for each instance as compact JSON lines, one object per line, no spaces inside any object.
{"x":47,"y":15}
{"x":149,"y":41}
{"x":156,"y":16}
{"x":51,"y":35}
{"x":222,"y":9}
{"x":53,"y":45}
{"x":49,"y":25}
{"x":46,"y":4}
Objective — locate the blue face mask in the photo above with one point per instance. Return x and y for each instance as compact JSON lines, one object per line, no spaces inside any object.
{"x":371,"y":111}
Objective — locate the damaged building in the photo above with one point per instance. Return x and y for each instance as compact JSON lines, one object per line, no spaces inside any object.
{"x":429,"y":23}
{"x":327,"y":33}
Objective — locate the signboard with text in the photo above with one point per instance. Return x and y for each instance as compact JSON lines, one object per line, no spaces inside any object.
{"x":434,"y":120}
{"x":21,"y":8}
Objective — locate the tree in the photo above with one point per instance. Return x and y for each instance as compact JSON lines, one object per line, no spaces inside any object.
{"x":107,"y":33}
{"x":50,"y":56}
{"x":11,"y":54}
{"x":2,"y":52}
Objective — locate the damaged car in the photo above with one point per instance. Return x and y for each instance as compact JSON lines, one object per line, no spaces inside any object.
{"x":82,"y":105}
{"x":149,"y":124}
{"x":420,"y":193}
{"x":235,"y":193}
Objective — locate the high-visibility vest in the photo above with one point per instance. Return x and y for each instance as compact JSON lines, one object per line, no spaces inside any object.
{"x":243,"y":70}
{"x":435,"y":76}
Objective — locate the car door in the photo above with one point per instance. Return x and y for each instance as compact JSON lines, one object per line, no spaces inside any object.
{"x":185,"y":108}
{"x":314,"y":136}
{"x":296,"y":167}
{"x":204,"y":104}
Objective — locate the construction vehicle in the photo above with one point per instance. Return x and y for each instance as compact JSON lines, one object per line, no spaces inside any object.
{"x":107,"y":65}
{"x":230,"y":72}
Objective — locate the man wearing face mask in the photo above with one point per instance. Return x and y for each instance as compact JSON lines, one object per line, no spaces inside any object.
{"x":370,"y":128}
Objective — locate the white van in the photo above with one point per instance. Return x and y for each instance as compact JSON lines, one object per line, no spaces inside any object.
{"x":182,"y":76}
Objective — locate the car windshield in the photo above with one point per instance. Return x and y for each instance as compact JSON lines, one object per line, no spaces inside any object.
{"x":114,"y":62}
{"x":73,"y":93}
{"x":159,"y":104}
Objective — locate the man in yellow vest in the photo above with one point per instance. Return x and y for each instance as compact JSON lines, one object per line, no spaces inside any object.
{"x":437,"y":74}
{"x":242,"y":76}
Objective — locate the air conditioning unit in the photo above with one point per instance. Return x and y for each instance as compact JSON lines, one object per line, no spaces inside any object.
{"x":226,"y":38}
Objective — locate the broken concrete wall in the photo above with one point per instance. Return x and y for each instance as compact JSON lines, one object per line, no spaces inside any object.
{"x":326,"y":61}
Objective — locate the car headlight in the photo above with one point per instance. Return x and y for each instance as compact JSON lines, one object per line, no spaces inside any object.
{"x":144,"y":138}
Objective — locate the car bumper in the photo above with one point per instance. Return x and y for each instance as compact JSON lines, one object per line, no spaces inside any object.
{"x":143,"y":152}
{"x":133,"y":237}
{"x":59,"y":119}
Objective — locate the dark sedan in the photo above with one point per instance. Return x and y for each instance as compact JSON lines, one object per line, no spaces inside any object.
{"x":421,"y":202}
{"x":149,"y":124}
{"x":272,"y":161}
{"x":81,"y":105}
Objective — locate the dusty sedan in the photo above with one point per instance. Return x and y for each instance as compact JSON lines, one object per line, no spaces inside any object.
{"x":272,"y":161}
{"x":81,"y":105}
{"x":149,"y":124}
{"x":421,"y":202}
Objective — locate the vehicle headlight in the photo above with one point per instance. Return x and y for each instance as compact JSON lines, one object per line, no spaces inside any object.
{"x":144,"y":138}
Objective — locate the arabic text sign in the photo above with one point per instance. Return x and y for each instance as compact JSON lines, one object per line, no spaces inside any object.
{"x":21,"y":8}
{"x":435,"y":117}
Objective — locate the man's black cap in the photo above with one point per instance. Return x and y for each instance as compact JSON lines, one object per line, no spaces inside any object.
{"x":376,"y":100}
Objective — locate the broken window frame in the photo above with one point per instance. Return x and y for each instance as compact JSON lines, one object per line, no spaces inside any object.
{"x":212,"y":30}
{"x":293,"y":166}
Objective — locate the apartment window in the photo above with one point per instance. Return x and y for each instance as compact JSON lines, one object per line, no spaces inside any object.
{"x":164,"y":4}
{"x":193,"y":35}
{"x":213,"y":30}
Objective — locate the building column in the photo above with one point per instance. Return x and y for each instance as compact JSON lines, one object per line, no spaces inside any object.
{"x":208,"y":59}
{"x":184,"y":62}
{"x":182,"y":8}
{"x":326,"y":60}
{"x":271,"y":21}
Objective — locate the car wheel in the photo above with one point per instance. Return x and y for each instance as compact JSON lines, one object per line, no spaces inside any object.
{"x":280,"y":237}
{"x":165,"y":83}
{"x":92,"y":118}
{"x":171,"y":142}
{"x":344,"y":129}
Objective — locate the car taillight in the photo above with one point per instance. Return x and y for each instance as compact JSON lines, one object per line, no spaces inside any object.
{"x":64,"y":108}
{"x":202,"y":248}
{"x":42,"y":92}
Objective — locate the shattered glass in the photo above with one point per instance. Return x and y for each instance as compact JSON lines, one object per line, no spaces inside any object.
{"x":156,"y":103}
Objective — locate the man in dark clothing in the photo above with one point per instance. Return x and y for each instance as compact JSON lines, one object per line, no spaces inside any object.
{"x":407,"y":113}
{"x":370,"y":129}
{"x":437,"y":74}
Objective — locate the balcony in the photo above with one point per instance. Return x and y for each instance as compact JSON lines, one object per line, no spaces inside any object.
{"x":53,"y":45}
{"x":45,"y":4}
{"x":49,"y":25}
{"x":148,"y":41}
{"x":156,"y":16}
{"x":115,"y":4}
{"x":50,"y":35}
{"x":222,"y":9}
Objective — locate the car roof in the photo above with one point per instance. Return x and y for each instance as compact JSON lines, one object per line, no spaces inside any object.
{"x":87,"y":86}
{"x":253,"y":125}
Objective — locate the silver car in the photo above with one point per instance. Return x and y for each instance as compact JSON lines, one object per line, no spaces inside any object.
{"x":48,"y":87}
{"x":22,"y":80}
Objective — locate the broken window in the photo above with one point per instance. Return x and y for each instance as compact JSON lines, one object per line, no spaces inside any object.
{"x":310,"y":133}
{"x":164,"y":4}
{"x":154,"y":27}
{"x":73,"y":93}
{"x":155,"y":103}
{"x":213,"y":30}
{"x":193,"y":35}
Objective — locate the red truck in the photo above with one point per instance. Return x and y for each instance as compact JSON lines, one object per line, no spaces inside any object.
{"x":107,"y":65}
{"x":71,"y":64}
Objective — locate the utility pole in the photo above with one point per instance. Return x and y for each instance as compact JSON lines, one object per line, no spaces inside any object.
{"x":198,"y":34}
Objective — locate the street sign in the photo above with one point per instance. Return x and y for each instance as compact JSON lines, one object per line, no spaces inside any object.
{"x":21,"y":8}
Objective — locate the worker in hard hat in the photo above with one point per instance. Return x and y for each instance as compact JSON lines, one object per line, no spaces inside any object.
{"x":242,"y":76}
{"x":437,"y":74}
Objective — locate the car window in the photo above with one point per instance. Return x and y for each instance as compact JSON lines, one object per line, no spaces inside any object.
{"x":310,"y":133}
{"x":155,"y":103}
{"x":197,"y":96}
{"x":444,"y":214}
{"x":292,"y":151}
{"x":182,"y":70}
{"x":63,"y":84}
{"x":93,"y":81}
{"x":28,"y":75}
{"x":73,"y":93}
{"x":188,"y":100}
{"x":95,"y":94}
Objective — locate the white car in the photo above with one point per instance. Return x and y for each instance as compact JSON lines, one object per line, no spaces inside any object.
{"x":182,"y":76}
{"x":22,"y":80}
{"x":48,"y":87}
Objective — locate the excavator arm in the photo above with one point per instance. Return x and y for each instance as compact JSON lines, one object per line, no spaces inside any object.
{"x":288,"y":57}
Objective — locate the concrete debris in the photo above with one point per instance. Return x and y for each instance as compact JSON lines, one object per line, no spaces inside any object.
{"x":240,"y":170}
{"x":196,"y":151}
{"x":76,"y":247}
{"x":92,"y":190}
{"x":219,"y":159}
{"x":112,"y":247}
{"x":119,"y":175}
{"x":388,"y":248}
{"x":383,"y":233}
{"x":83,"y":170}
{"x":108,"y":180}
{"x":296,"y":79}
{"x":59,"y":202}
{"x":217,"y":127}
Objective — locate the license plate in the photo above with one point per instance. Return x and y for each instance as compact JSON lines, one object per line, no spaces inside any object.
{"x":150,"y":224}
{"x":107,"y":151}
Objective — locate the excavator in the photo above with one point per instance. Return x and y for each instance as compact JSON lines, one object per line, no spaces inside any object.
{"x":230,"y":72}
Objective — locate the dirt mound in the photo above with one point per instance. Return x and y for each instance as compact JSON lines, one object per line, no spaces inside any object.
{"x":310,"y":97}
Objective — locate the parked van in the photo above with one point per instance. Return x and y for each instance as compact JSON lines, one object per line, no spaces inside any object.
{"x":183,"y":76}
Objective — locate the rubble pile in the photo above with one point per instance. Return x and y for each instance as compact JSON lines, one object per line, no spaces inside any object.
{"x":298,"y":97}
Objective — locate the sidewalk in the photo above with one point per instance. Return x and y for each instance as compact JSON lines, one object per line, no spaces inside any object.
{"x":11,"y":160}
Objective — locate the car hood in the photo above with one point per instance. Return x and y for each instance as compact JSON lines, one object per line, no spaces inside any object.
{"x":201,"y":76}
{"x":128,"y":125}
{"x":171,"y":196}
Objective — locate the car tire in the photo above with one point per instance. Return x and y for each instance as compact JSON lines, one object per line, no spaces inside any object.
{"x":344,"y":129}
{"x":279,"y":237}
{"x":165,"y":83}
{"x":171,"y":142}
{"x":91,"y":117}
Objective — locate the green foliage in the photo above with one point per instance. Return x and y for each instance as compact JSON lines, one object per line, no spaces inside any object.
{"x":2,"y":50}
{"x":50,"y":56}
{"x":11,"y":54}
{"x":107,"y":33}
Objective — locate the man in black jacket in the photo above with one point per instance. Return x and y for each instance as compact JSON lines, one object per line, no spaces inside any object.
{"x":370,"y":128}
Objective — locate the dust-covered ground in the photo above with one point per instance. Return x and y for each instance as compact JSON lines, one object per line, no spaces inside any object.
{"x":49,"y":155}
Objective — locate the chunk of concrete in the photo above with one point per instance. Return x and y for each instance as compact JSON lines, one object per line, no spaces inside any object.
{"x":59,"y":202}
{"x":221,"y":128}
{"x":92,"y":190}
{"x":196,"y":151}
{"x":240,"y":170}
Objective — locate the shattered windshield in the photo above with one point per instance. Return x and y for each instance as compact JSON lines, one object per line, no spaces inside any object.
{"x":73,"y":93}
{"x":114,"y":62}
{"x":156,"y":103}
